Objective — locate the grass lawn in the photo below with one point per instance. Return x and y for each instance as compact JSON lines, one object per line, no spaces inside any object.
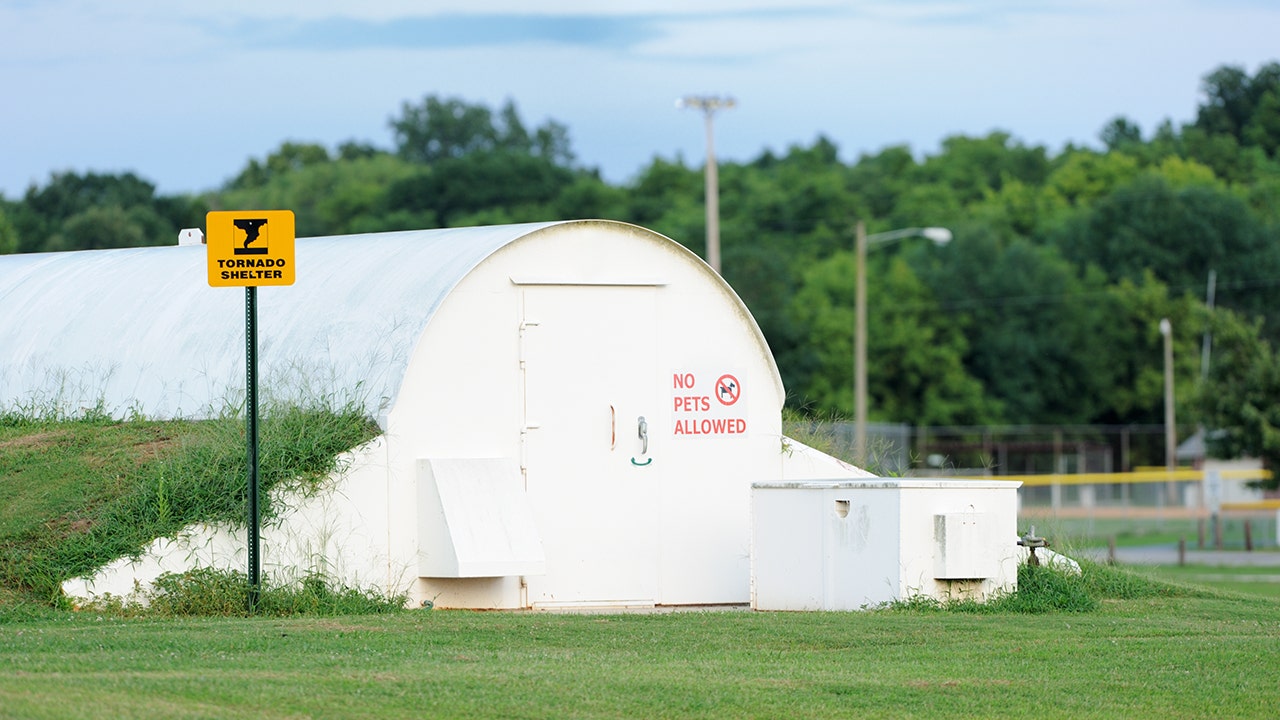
{"x":1141,"y":531}
{"x":1259,"y":581}
{"x":1158,"y":658}
{"x":74,"y":495}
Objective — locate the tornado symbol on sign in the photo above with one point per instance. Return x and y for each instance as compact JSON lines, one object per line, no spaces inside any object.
{"x":252,"y":228}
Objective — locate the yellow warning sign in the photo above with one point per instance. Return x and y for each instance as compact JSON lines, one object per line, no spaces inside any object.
{"x":250,"y":247}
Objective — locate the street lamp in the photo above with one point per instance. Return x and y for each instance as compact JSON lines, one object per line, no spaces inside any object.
{"x":940,"y":236}
{"x":709,"y":104}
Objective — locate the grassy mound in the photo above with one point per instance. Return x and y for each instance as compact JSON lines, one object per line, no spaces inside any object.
{"x":75,"y":495}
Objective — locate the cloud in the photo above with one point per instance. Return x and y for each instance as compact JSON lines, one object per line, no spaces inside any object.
{"x":447,"y":31}
{"x":469,"y":30}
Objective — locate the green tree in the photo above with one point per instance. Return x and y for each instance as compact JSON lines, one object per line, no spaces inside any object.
{"x":926,"y":204}
{"x":455,"y":190}
{"x":1129,"y":338}
{"x":1120,"y":134}
{"x":332,"y":197}
{"x":1242,"y":107}
{"x":8,"y":236}
{"x":1083,"y":176}
{"x":128,"y":203}
{"x":1018,"y":209}
{"x":440,"y":129}
{"x":801,"y":202}
{"x":1263,"y":130}
{"x":551,"y":143}
{"x":915,"y":370}
{"x":879,"y":180}
{"x":590,"y":197}
{"x":1237,"y":402}
{"x":972,"y":167}
{"x":1179,"y":235}
{"x":667,"y":196}
{"x":290,"y":157}
{"x":355,"y":150}
{"x":102,"y":226}
{"x":436,"y":129}
{"x":1032,"y":324}
{"x":1237,"y":128}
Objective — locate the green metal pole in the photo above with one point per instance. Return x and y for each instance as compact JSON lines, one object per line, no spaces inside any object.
{"x":251,"y":433}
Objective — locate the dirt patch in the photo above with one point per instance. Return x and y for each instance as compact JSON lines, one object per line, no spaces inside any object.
{"x":35,"y":441}
{"x":137,"y":450}
{"x":64,"y":527}
{"x":153,"y":448}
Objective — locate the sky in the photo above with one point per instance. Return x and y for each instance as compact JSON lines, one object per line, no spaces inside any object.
{"x":183,"y":94}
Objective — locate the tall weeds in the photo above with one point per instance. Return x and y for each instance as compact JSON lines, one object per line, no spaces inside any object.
{"x":199,"y":475}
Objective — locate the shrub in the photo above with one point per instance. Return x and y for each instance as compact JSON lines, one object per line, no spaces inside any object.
{"x":210,"y":592}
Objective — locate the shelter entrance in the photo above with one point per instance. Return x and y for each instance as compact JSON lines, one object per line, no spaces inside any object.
{"x":589,"y":358}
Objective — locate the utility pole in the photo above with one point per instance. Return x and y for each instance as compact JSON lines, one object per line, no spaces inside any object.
{"x":860,"y":345}
{"x":1170,"y":431}
{"x":709,"y":104}
{"x":1206,"y":347}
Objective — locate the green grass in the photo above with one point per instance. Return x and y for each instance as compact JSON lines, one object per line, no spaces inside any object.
{"x":1257,"y":581}
{"x":1111,"y":642}
{"x":77,"y":494}
{"x":1152,"y":657}
{"x":1142,"y":531}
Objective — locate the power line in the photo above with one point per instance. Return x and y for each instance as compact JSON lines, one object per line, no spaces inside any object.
{"x":1064,"y":298}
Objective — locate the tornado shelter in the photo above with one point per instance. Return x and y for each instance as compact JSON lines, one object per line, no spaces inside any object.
{"x":573,"y":413}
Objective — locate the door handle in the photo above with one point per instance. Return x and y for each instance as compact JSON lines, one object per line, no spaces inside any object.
{"x":642,"y":430}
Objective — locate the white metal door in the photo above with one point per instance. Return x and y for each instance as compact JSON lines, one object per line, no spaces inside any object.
{"x":590,"y":375}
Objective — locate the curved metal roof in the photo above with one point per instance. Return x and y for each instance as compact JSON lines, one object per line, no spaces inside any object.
{"x":140,"y":328}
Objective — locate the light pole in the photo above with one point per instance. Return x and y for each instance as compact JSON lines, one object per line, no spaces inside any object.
{"x":938,"y":235}
{"x":1170,"y":432}
{"x":709,"y":104}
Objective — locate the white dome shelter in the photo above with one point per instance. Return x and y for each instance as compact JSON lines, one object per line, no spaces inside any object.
{"x":573,"y":413}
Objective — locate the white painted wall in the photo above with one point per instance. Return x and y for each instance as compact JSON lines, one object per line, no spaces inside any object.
{"x":463,"y":397}
{"x":849,"y":544}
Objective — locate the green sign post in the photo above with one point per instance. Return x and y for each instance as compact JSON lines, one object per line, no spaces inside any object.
{"x":249,"y":249}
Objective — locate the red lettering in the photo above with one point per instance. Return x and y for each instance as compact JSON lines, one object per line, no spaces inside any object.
{"x":684,"y":381}
{"x":691,"y":403}
{"x":710,"y":426}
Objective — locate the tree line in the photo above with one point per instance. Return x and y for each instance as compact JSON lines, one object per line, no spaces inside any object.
{"x":1044,"y":309}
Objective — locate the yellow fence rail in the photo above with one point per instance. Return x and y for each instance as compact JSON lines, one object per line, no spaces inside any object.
{"x":1255,"y":505}
{"x":1144,"y":475}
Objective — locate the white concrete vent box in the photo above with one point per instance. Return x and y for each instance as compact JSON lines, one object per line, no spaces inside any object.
{"x":475,"y":520}
{"x":853,"y":544}
{"x":961,"y":547}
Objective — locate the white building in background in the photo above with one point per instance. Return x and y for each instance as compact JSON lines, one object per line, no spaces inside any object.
{"x":573,"y":413}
